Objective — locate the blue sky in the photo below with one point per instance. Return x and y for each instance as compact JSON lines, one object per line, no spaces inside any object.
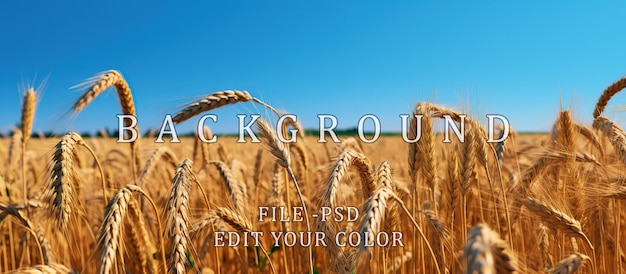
{"x":346,"y":58}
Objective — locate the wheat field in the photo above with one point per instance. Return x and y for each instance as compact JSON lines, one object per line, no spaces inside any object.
{"x":544,"y":203}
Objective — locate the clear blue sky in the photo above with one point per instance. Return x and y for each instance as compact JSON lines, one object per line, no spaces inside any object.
{"x":348,"y":58}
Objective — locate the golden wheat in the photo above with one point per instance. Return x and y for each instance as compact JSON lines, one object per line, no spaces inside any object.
{"x":566,"y":196}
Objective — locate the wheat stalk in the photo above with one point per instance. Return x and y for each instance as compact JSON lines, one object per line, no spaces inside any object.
{"x":418,"y":228}
{"x":422,"y":153}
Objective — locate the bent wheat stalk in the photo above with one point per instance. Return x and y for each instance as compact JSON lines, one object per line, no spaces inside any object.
{"x":98,"y":84}
{"x":606,"y":96}
{"x":63,"y":177}
{"x":110,"y":233}
{"x":347,"y":158}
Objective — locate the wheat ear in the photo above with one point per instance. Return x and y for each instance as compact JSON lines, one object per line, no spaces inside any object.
{"x":384,"y":179}
{"x":606,"y":96}
{"x":615,"y":134}
{"x":482,"y":239}
{"x":544,"y":244}
{"x":28,"y":114}
{"x":140,"y":241}
{"x":281,"y":154}
{"x":374,"y":215}
{"x":589,"y":135}
{"x":439,"y":231}
{"x":100,"y":83}
{"x":62,"y":178}
{"x":399,"y":261}
{"x":216,"y":100}
{"x":52,"y":268}
{"x":236,"y":189}
{"x":303,"y":163}
{"x":176,"y":214}
{"x":570,"y":264}
{"x":347,"y":158}
{"x":426,"y":149}
{"x":160,"y":153}
{"x":556,"y":218}
{"x":110,"y":235}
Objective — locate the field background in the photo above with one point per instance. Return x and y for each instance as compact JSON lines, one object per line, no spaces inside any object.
{"x":538,"y":247}
{"x":545,"y":203}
